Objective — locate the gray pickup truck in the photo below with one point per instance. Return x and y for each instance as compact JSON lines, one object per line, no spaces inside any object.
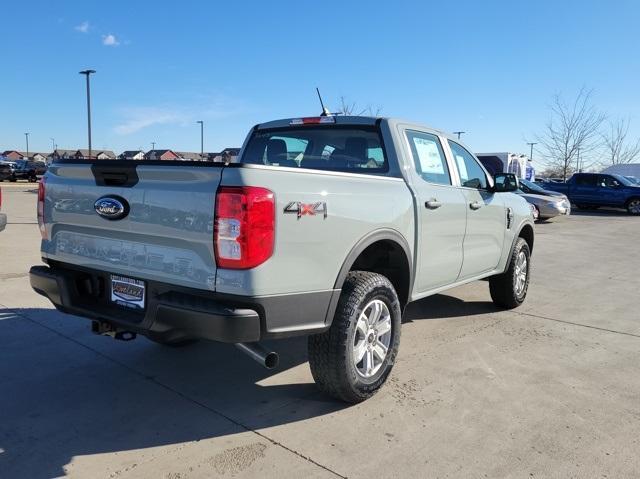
{"x":326,"y":227}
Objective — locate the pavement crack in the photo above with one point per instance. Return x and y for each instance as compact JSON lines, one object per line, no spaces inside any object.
{"x":17,"y":312}
{"x":578,"y":324}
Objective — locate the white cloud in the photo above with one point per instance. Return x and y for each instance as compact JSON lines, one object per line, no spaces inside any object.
{"x":83,"y":27}
{"x":139,"y":118}
{"x":110,"y":40}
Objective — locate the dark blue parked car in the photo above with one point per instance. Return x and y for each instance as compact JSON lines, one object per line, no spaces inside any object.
{"x":592,"y":190}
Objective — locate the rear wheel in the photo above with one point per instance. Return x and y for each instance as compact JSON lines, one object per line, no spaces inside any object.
{"x":633,"y":206}
{"x":352,"y":360}
{"x":509,"y":289}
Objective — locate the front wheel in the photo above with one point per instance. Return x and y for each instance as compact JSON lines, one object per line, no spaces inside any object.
{"x":352,"y":360}
{"x":509,"y":289}
{"x":633,"y":206}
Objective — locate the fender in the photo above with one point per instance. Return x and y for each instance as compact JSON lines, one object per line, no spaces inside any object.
{"x":515,"y":238}
{"x":387,"y":234}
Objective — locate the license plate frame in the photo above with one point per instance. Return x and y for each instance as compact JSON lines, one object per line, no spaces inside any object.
{"x":128,"y":292}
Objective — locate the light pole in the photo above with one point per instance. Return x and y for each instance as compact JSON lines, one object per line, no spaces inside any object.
{"x":53,"y":144}
{"x":153,"y":146}
{"x":26,"y":135}
{"x":201,"y":139}
{"x":531,"y":155}
{"x":87,"y":73}
{"x":458,"y":133}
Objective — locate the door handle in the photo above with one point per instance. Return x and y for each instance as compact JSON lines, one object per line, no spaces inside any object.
{"x":433,"y":204}
{"x":476,"y":205}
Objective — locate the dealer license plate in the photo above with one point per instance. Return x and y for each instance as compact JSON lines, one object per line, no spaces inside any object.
{"x":127,"y":292}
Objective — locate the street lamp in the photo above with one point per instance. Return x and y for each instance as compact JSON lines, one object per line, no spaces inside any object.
{"x":87,"y":73}
{"x":201,"y":139}
{"x":53,"y":144}
{"x":458,"y":133}
{"x":531,"y":155}
{"x":26,"y":135}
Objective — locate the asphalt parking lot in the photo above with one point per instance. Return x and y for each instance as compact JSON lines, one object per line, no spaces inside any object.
{"x":549,"y":390}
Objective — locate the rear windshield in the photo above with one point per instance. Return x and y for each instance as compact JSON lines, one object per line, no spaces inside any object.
{"x":334,"y":148}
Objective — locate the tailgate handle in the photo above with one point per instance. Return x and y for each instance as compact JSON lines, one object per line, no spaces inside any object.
{"x":114,"y":175}
{"x":115,"y":179}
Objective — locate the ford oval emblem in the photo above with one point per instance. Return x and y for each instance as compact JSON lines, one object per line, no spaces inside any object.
{"x":112,"y":207}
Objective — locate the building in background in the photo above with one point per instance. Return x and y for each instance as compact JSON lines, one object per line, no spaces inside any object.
{"x":131,"y":155}
{"x":59,"y":154}
{"x":229,"y":155}
{"x":626,"y":169}
{"x":161,"y":155}
{"x":83,"y":154}
{"x":191,"y":156}
{"x":506,"y":162}
{"x":12,"y":155}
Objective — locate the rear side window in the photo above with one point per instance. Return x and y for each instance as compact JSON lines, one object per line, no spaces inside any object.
{"x":471,"y":173}
{"x":335,"y":148}
{"x":428,"y":157}
{"x":587,"y":180}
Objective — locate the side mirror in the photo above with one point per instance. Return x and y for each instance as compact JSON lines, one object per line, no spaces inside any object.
{"x":505,"y":183}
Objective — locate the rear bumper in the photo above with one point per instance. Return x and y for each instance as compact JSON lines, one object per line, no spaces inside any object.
{"x":3,"y":221}
{"x":174,"y":313}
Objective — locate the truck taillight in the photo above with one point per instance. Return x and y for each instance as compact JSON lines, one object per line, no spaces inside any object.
{"x":244,"y":229}
{"x":41,"y":225}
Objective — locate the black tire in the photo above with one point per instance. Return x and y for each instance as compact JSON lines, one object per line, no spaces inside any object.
{"x":632,"y":206}
{"x":331,"y":353}
{"x":504,"y":291}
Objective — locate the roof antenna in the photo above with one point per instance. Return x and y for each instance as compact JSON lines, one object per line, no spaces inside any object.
{"x":325,"y":112}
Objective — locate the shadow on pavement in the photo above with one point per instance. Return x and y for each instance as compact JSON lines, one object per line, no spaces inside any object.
{"x":443,"y":306}
{"x":600,"y":212}
{"x":66,"y":393}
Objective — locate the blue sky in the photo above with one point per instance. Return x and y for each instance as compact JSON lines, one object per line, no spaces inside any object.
{"x":489,"y":68}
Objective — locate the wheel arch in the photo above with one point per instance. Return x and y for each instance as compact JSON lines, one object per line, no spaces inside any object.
{"x":383,"y":251}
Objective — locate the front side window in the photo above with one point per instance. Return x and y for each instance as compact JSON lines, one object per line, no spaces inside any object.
{"x":350,"y":149}
{"x":428,"y":157}
{"x":471,"y":173}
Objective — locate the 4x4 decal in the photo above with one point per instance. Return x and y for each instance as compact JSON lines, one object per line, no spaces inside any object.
{"x":304,"y":209}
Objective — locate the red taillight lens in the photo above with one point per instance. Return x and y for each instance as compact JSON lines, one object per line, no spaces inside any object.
{"x":41,"y":225}
{"x":244,"y":230}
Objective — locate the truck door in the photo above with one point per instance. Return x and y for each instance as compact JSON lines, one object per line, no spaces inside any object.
{"x":441,"y":212}
{"x":584,"y":189}
{"x":486,"y":216}
{"x":611,"y":191}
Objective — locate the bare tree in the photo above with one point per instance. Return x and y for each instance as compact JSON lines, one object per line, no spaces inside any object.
{"x":616,"y":146}
{"x":347,"y":108}
{"x":571,"y":132}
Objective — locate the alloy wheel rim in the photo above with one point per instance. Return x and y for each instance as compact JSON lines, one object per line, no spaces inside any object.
{"x":634,"y":206}
{"x":520,"y":276}
{"x":372,"y":338}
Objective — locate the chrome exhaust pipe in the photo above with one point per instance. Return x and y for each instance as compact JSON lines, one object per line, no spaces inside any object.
{"x":260,"y":354}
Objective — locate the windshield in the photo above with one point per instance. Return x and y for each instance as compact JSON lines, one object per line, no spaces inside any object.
{"x":633,"y":180}
{"x":530,"y":187}
{"x":352,"y":149}
{"x":20,"y":164}
{"x":623,"y":180}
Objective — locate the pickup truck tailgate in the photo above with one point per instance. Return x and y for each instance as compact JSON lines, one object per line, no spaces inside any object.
{"x":167,"y":234}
